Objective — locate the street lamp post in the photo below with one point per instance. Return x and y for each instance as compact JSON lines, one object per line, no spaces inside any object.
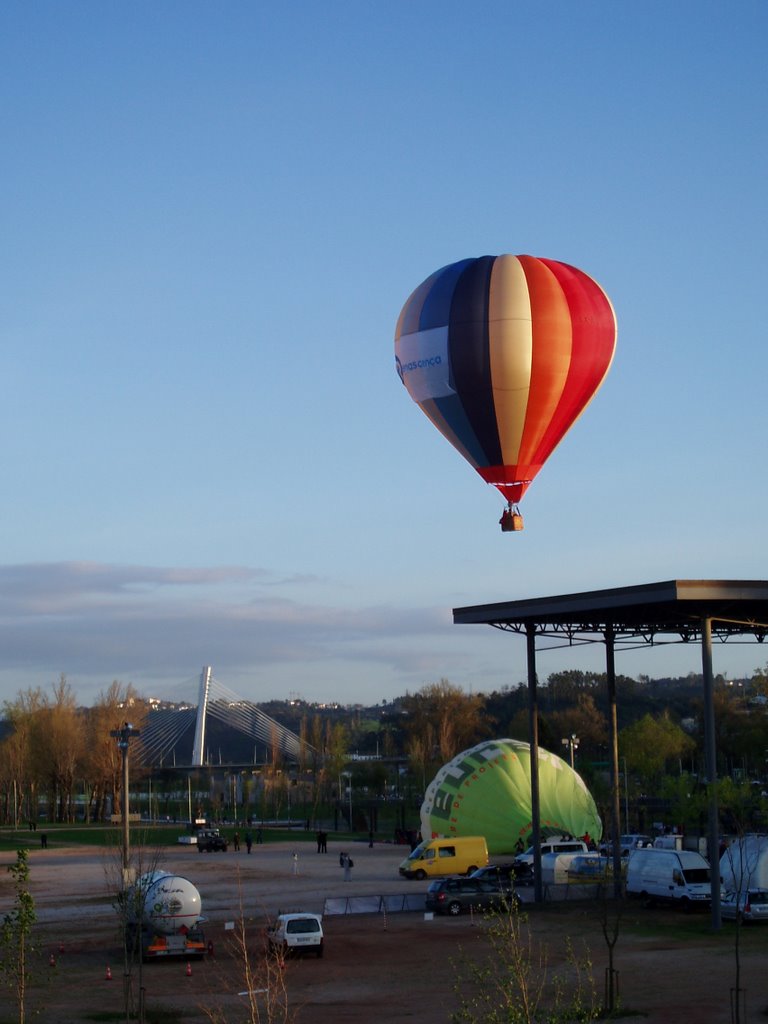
{"x":123,"y":736}
{"x":572,"y":743}
{"x":348,"y":777}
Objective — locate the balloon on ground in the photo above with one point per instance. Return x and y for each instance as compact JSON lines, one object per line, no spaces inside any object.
{"x":744,"y":863}
{"x":503,"y":354}
{"x":486,"y":791}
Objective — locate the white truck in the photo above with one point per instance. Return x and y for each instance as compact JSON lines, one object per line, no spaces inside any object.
{"x":671,"y":876}
{"x":163,"y":916}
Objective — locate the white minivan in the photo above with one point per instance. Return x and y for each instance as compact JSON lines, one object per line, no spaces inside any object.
{"x":677,"y":876}
{"x":296,"y":933}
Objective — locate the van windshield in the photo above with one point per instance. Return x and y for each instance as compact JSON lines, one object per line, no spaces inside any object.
{"x":697,"y":875}
{"x":416,"y":852}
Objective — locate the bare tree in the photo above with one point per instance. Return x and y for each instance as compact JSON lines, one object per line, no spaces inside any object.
{"x":261,"y":972}
{"x":455,"y":719}
{"x":129,"y":907}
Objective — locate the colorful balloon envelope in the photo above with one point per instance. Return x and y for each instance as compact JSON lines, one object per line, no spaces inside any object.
{"x":486,"y":791}
{"x":503,"y":353}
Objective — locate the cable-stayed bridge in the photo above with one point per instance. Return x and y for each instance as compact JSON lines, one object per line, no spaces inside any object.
{"x":210,"y":724}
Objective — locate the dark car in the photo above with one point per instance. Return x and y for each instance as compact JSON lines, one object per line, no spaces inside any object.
{"x":502,"y":875}
{"x":460,"y":893}
{"x":209,"y":840}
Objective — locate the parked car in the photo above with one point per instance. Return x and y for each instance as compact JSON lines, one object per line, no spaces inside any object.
{"x":751,"y":905}
{"x":502,"y":875}
{"x":210,"y":839}
{"x":627,"y":843}
{"x":297,"y":934}
{"x":524,"y":862}
{"x":462,"y":893}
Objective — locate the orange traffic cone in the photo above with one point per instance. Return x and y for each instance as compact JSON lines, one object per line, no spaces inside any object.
{"x":189,"y":969}
{"x":52,"y":960}
{"x":108,"y":975}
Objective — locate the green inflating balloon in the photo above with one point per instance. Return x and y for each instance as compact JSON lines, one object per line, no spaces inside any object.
{"x":486,"y":791}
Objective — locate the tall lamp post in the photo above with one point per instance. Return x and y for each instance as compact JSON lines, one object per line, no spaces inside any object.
{"x":123,"y":736}
{"x":572,"y":742}
{"x":348,"y":777}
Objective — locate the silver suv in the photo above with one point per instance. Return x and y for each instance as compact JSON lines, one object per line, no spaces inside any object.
{"x":627,"y":843}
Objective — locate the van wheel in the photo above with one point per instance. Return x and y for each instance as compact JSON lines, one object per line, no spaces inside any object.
{"x":647,"y":901}
{"x":473,"y":868}
{"x":685,"y":905}
{"x":454,"y":908}
{"x":420,"y":875}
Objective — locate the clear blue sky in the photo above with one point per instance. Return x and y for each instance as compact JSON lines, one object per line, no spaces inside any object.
{"x":211,"y":216}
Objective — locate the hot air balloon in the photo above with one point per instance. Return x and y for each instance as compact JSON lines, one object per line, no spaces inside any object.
{"x":503,"y":353}
{"x":486,"y":791}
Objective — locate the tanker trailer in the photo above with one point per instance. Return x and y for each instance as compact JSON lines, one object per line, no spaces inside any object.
{"x":163,"y":916}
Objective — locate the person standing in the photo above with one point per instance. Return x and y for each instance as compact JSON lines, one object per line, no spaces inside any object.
{"x":248,"y":841}
{"x":348,"y":864}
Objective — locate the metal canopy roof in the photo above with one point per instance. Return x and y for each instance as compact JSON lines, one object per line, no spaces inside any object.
{"x":653,"y":613}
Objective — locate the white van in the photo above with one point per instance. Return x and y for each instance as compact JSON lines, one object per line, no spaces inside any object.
{"x":296,"y":933}
{"x":677,"y":876}
{"x":524,"y":861}
{"x":668,"y":842}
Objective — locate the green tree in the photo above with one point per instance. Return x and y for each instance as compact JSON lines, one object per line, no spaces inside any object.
{"x":513,"y":984}
{"x":688,"y":800}
{"x":650,"y":744}
{"x":16,"y":945}
{"x":584,"y":720}
{"x":758,"y":684}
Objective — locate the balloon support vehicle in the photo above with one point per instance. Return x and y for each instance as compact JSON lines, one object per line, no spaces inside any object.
{"x":163,"y":917}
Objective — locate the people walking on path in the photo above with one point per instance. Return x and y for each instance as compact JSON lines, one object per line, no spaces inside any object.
{"x":347,"y":863}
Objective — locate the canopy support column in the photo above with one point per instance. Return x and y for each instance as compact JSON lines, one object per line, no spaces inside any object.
{"x":710,"y":761}
{"x":613,"y":731}
{"x":533,"y":730}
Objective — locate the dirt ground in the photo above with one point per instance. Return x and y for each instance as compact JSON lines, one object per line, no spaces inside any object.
{"x":393,"y":967}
